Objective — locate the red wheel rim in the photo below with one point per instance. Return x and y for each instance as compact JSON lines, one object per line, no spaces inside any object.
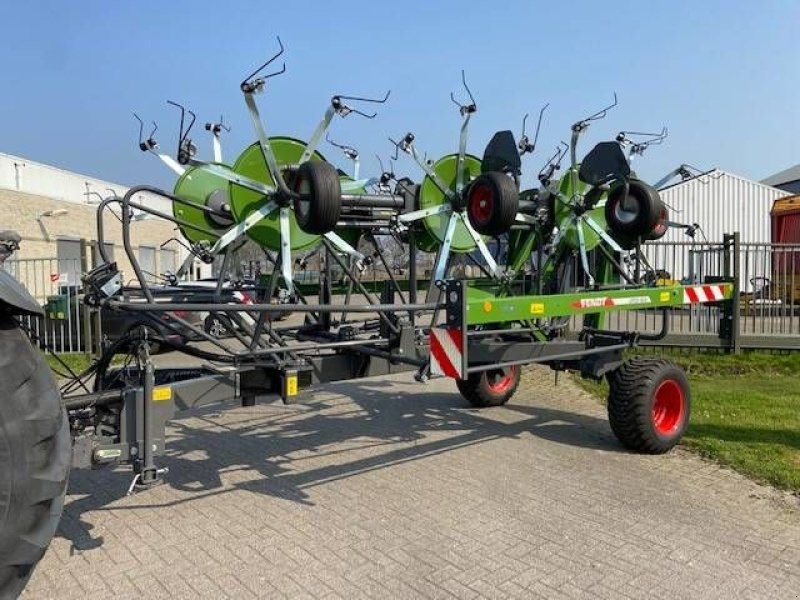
{"x":669,"y":406}
{"x":500,"y":381}
{"x":481,"y":204}
{"x":661,"y":226}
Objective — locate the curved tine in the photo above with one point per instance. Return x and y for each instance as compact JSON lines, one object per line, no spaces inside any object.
{"x":191,"y":124}
{"x":602,"y":112}
{"x":454,"y":101}
{"x":524,"y":120}
{"x":396,"y":149}
{"x":344,"y":147}
{"x":141,"y":127}
{"x":222,"y":123}
{"x":539,"y":124}
{"x":155,"y":128}
{"x":362,"y":99}
{"x":183,"y":115}
{"x":363,"y":114}
{"x":550,"y":160}
{"x":266,"y":64}
{"x":464,"y":81}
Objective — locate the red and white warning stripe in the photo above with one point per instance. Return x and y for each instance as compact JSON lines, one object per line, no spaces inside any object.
{"x":447,"y":349}
{"x":695,"y":294}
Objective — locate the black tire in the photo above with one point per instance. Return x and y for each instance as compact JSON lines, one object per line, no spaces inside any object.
{"x":492,"y":203}
{"x":636,"y":215}
{"x":490,"y":388}
{"x":217,"y":326}
{"x":320,"y":197}
{"x":35,"y":456}
{"x":661,"y":227}
{"x":649,"y":404}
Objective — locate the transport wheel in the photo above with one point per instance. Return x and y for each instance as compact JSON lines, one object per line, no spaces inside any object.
{"x":649,"y":403}
{"x":320,"y":202}
{"x":661,"y":226}
{"x":35,"y":456}
{"x":490,"y":388}
{"x":636,"y":214}
{"x":492,"y":203}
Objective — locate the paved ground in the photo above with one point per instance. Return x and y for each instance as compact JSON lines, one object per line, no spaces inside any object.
{"x":386,"y":489}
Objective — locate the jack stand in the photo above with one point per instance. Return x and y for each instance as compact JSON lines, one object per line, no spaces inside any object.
{"x":147,"y":479}
{"x":148,"y":475}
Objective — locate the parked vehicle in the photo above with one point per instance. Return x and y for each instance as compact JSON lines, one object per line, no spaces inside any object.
{"x":116,"y":325}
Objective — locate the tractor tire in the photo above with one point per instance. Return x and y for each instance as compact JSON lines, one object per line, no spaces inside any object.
{"x":641,"y":213}
{"x":492,"y":203}
{"x":320,"y":197}
{"x":35,"y":457}
{"x":649,"y":404}
{"x":490,"y":388}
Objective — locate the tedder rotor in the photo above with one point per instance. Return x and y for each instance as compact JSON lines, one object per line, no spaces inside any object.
{"x":554,"y":260}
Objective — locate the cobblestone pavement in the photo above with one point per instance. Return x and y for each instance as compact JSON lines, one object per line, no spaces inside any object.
{"x":383,"y":488}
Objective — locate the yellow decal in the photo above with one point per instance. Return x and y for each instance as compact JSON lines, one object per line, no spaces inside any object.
{"x":537,"y":308}
{"x":291,"y":385}
{"x":161,"y":394}
{"x":487,"y":306}
{"x":664,"y":297}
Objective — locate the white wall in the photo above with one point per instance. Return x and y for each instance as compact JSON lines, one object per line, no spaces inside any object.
{"x":23,"y":175}
{"x":721,"y":202}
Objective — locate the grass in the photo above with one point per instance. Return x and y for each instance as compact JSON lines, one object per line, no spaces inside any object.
{"x":77,"y":361}
{"x":745,"y":412}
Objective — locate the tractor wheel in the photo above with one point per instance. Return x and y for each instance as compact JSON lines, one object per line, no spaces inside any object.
{"x":320,"y":202}
{"x":492,"y":203}
{"x":490,"y":388}
{"x":35,"y":456}
{"x":649,"y":404}
{"x":635,"y":214}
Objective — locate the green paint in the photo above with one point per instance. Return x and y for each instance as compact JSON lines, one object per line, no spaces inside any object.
{"x":196,"y":185}
{"x":251,"y":164}
{"x":484,"y":307}
{"x":430,"y":195}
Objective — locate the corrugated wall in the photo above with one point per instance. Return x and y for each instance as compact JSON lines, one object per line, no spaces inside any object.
{"x":722,"y":203}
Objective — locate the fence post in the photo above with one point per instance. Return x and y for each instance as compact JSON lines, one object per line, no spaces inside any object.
{"x":85,"y":321}
{"x":735,"y":307}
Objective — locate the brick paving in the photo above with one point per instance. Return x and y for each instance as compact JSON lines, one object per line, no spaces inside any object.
{"x":384,"y":488}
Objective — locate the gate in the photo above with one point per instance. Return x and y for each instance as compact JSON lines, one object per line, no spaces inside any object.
{"x":55,"y":284}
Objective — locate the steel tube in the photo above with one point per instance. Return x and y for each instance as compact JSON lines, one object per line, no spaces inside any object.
{"x":255,"y":308}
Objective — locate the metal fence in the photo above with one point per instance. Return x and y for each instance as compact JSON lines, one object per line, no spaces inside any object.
{"x":55,"y":285}
{"x":765,"y":312}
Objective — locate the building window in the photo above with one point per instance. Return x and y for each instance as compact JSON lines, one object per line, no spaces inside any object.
{"x":147,"y":262}
{"x":97,"y":260}
{"x":68,"y":255}
{"x":168,"y":261}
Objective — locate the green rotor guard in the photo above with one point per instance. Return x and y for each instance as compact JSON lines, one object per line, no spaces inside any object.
{"x":251,"y":164}
{"x":196,"y":185}
{"x":435,"y":226}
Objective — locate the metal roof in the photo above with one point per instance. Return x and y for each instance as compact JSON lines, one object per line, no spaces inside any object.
{"x":785,"y":176}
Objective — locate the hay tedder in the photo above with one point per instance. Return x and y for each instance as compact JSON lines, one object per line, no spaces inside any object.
{"x":551,"y":262}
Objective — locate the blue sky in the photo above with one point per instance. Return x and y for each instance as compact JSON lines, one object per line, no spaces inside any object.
{"x":722,"y":76}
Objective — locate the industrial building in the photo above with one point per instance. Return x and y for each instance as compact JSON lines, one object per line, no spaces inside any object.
{"x":54,"y":211}
{"x":787,"y":180}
